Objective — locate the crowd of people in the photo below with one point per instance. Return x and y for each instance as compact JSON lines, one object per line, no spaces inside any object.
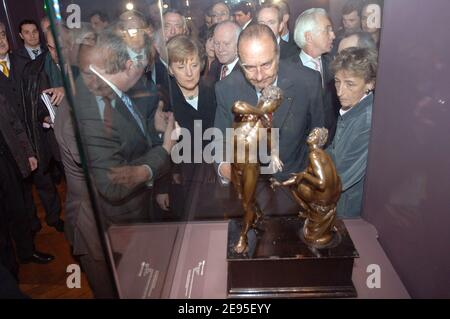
{"x":135,"y":80}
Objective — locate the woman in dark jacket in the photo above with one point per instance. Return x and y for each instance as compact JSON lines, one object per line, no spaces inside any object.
{"x":193,"y":103}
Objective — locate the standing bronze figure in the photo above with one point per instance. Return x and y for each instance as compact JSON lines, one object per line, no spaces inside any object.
{"x":317,"y":190}
{"x":245,"y":169}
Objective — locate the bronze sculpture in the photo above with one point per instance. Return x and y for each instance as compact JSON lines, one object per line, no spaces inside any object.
{"x":245,"y":169}
{"x":317,"y":190}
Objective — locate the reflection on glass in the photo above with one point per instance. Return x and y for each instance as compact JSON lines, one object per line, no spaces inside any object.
{"x":136,"y":74}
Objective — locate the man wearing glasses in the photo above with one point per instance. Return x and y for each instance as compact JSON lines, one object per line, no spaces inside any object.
{"x":300,"y":111}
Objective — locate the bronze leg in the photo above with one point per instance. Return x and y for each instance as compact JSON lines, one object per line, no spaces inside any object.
{"x":249,"y":179}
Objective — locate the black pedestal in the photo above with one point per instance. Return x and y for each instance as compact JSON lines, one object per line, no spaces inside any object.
{"x":279,"y":264}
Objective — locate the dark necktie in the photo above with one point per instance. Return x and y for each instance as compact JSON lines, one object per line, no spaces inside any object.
{"x":223,"y":74}
{"x":107,"y":115}
{"x":35,"y":52}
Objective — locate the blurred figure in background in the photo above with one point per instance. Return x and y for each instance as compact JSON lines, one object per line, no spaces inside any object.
{"x":286,"y":13}
{"x":174,"y":23}
{"x":243,"y":14}
{"x":220,"y":12}
{"x":357,"y":40}
{"x":271,"y":16}
{"x":351,"y":21}
{"x":99,"y":21}
{"x":211,"y":69}
{"x":371,"y":19}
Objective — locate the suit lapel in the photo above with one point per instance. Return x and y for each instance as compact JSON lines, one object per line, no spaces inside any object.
{"x":123,"y":110}
{"x":285,"y":84}
{"x":248,"y":92}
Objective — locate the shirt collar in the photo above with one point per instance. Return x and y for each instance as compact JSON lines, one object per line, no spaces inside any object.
{"x":232,"y":65}
{"x":285,"y":37}
{"x":306,"y":57}
{"x":246,"y":25}
{"x":6,"y":59}
{"x":133,"y":54}
{"x":342,"y":112}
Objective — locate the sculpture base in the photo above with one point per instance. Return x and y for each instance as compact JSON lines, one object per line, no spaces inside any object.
{"x":279,"y":264}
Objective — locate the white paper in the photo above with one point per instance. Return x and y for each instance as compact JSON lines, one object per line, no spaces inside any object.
{"x":51,"y":110}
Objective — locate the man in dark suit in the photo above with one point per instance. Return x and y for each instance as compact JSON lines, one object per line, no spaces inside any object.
{"x":37,"y":81}
{"x":116,"y":133}
{"x":300,"y":111}
{"x":314,"y":35}
{"x":226,"y":36}
{"x":17,"y":161}
{"x":243,"y":14}
{"x":32,"y":47}
{"x":270,"y":15}
{"x":285,"y":10}
{"x":11,"y":68}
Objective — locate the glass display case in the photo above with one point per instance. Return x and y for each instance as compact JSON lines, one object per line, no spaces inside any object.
{"x":150,"y":219}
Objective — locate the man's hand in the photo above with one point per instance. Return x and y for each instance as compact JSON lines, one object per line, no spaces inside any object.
{"x":161,"y":118}
{"x":225,"y":170}
{"x":47,"y":122}
{"x":33,"y":163}
{"x":129,"y":176}
{"x":57,"y":94}
{"x":163,"y":201}
{"x":274,"y":183}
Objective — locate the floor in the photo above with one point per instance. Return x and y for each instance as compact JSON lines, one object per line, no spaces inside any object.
{"x":49,"y":281}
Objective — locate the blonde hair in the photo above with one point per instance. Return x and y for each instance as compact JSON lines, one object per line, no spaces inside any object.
{"x":181,"y":47}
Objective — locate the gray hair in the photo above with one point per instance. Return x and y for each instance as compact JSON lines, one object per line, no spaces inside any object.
{"x":113,"y":51}
{"x":237,"y":28}
{"x":183,"y":18}
{"x":306,"y":22}
{"x":362,"y":62}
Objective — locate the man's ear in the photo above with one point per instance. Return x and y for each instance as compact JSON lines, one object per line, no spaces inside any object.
{"x":128,"y":66}
{"x":21,"y":36}
{"x":280,"y":29}
{"x":308,"y":36}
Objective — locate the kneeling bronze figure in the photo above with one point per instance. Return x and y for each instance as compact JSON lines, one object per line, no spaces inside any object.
{"x":317,"y":190}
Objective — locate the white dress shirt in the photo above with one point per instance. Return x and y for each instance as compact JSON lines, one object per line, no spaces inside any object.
{"x":31,"y":54}
{"x":230,"y":67}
